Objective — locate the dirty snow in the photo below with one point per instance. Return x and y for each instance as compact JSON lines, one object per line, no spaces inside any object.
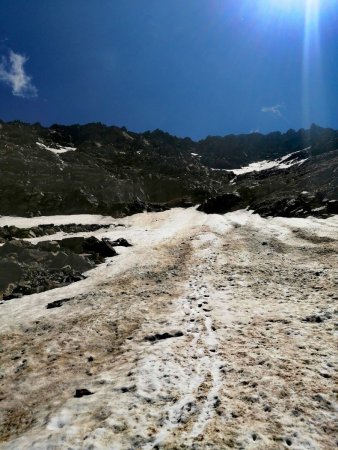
{"x":211,"y":332}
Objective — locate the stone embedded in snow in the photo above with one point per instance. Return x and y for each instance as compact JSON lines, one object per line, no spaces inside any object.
{"x":82,"y":392}
{"x":161,"y":336}
{"x":57,"y":303}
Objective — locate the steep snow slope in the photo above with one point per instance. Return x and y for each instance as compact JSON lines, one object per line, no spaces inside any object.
{"x":210,"y":332}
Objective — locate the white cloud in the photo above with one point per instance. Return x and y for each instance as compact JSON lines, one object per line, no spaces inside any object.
{"x":275,"y":110}
{"x":13,"y":74}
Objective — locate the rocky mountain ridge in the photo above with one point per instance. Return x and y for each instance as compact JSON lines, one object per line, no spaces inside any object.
{"x":94,"y":168}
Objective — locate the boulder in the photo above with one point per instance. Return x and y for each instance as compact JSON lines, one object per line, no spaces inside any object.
{"x":332,"y":207}
{"x":90,"y":245}
{"x":222,"y":204}
{"x":13,"y":248}
{"x":75,"y":262}
{"x":103,"y":248}
{"x":121,"y":242}
{"x":74,"y":244}
{"x":48,"y":246}
{"x":10,"y":272}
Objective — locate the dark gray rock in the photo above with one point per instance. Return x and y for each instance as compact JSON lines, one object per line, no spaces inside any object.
{"x":10,"y":272}
{"x":121,"y":242}
{"x":161,"y":336}
{"x":222,"y":204}
{"x":13,"y":248}
{"x":102,"y":248}
{"x":75,"y":262}
{"x":332,"y":207}
{"x":26,"y":269}
{"x":82,"y":392}
{"x":57,"y":303}
{"x":48,"y":246}
{"x":74,"y":244}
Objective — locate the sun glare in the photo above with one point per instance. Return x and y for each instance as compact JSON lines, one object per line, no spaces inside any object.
{"x":292,"y":8}
{"x":306,"y":15}
{"x":312,"y":65}
{"x":295,"y":5}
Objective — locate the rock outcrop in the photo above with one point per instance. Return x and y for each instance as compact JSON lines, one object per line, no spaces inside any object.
{"x":27,"y":269}
{"x":222,"y":204}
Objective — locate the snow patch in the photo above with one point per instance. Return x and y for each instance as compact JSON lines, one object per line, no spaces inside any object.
{"x":57,"y":150}
{"x":127,"y":136}
{"x":81,"y":219}
{"x":281,"y":163}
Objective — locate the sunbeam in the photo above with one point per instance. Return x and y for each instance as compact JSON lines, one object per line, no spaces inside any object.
{"x":280,"y":16}
{"x":291,"y":7}
{"x":312,"y":65}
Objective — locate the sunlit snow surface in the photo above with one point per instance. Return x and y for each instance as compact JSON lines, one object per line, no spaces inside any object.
{"x":57,"y":150}
{"x":280,"y":163}
{"x":245,"y":349}
{"x":82,"y":219}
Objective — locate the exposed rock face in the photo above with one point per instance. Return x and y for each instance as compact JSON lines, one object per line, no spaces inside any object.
{"x":235,"y":151}
{"x":298,"y":191}
{"x":221,"y":204}
{"x":296,"y":206}
{"x":108,"y":170}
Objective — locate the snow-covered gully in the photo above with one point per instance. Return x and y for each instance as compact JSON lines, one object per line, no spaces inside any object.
{"x":211,"y":332}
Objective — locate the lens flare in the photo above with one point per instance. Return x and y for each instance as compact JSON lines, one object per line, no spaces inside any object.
{"x":292,"y":6}
{"x":305,"y":15}
{"x":312,"y":80}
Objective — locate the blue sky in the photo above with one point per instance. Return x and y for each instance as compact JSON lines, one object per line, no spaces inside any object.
{"x":192,"y":68}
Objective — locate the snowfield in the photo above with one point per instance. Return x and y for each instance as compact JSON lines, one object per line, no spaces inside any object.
{"x":210,"y":332}
{"x":57,"y":150}
{"x":281,"y":163}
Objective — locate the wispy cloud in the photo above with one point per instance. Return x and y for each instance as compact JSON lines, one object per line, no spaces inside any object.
{"x":275,"y":110}
{"x":12,"y":73}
